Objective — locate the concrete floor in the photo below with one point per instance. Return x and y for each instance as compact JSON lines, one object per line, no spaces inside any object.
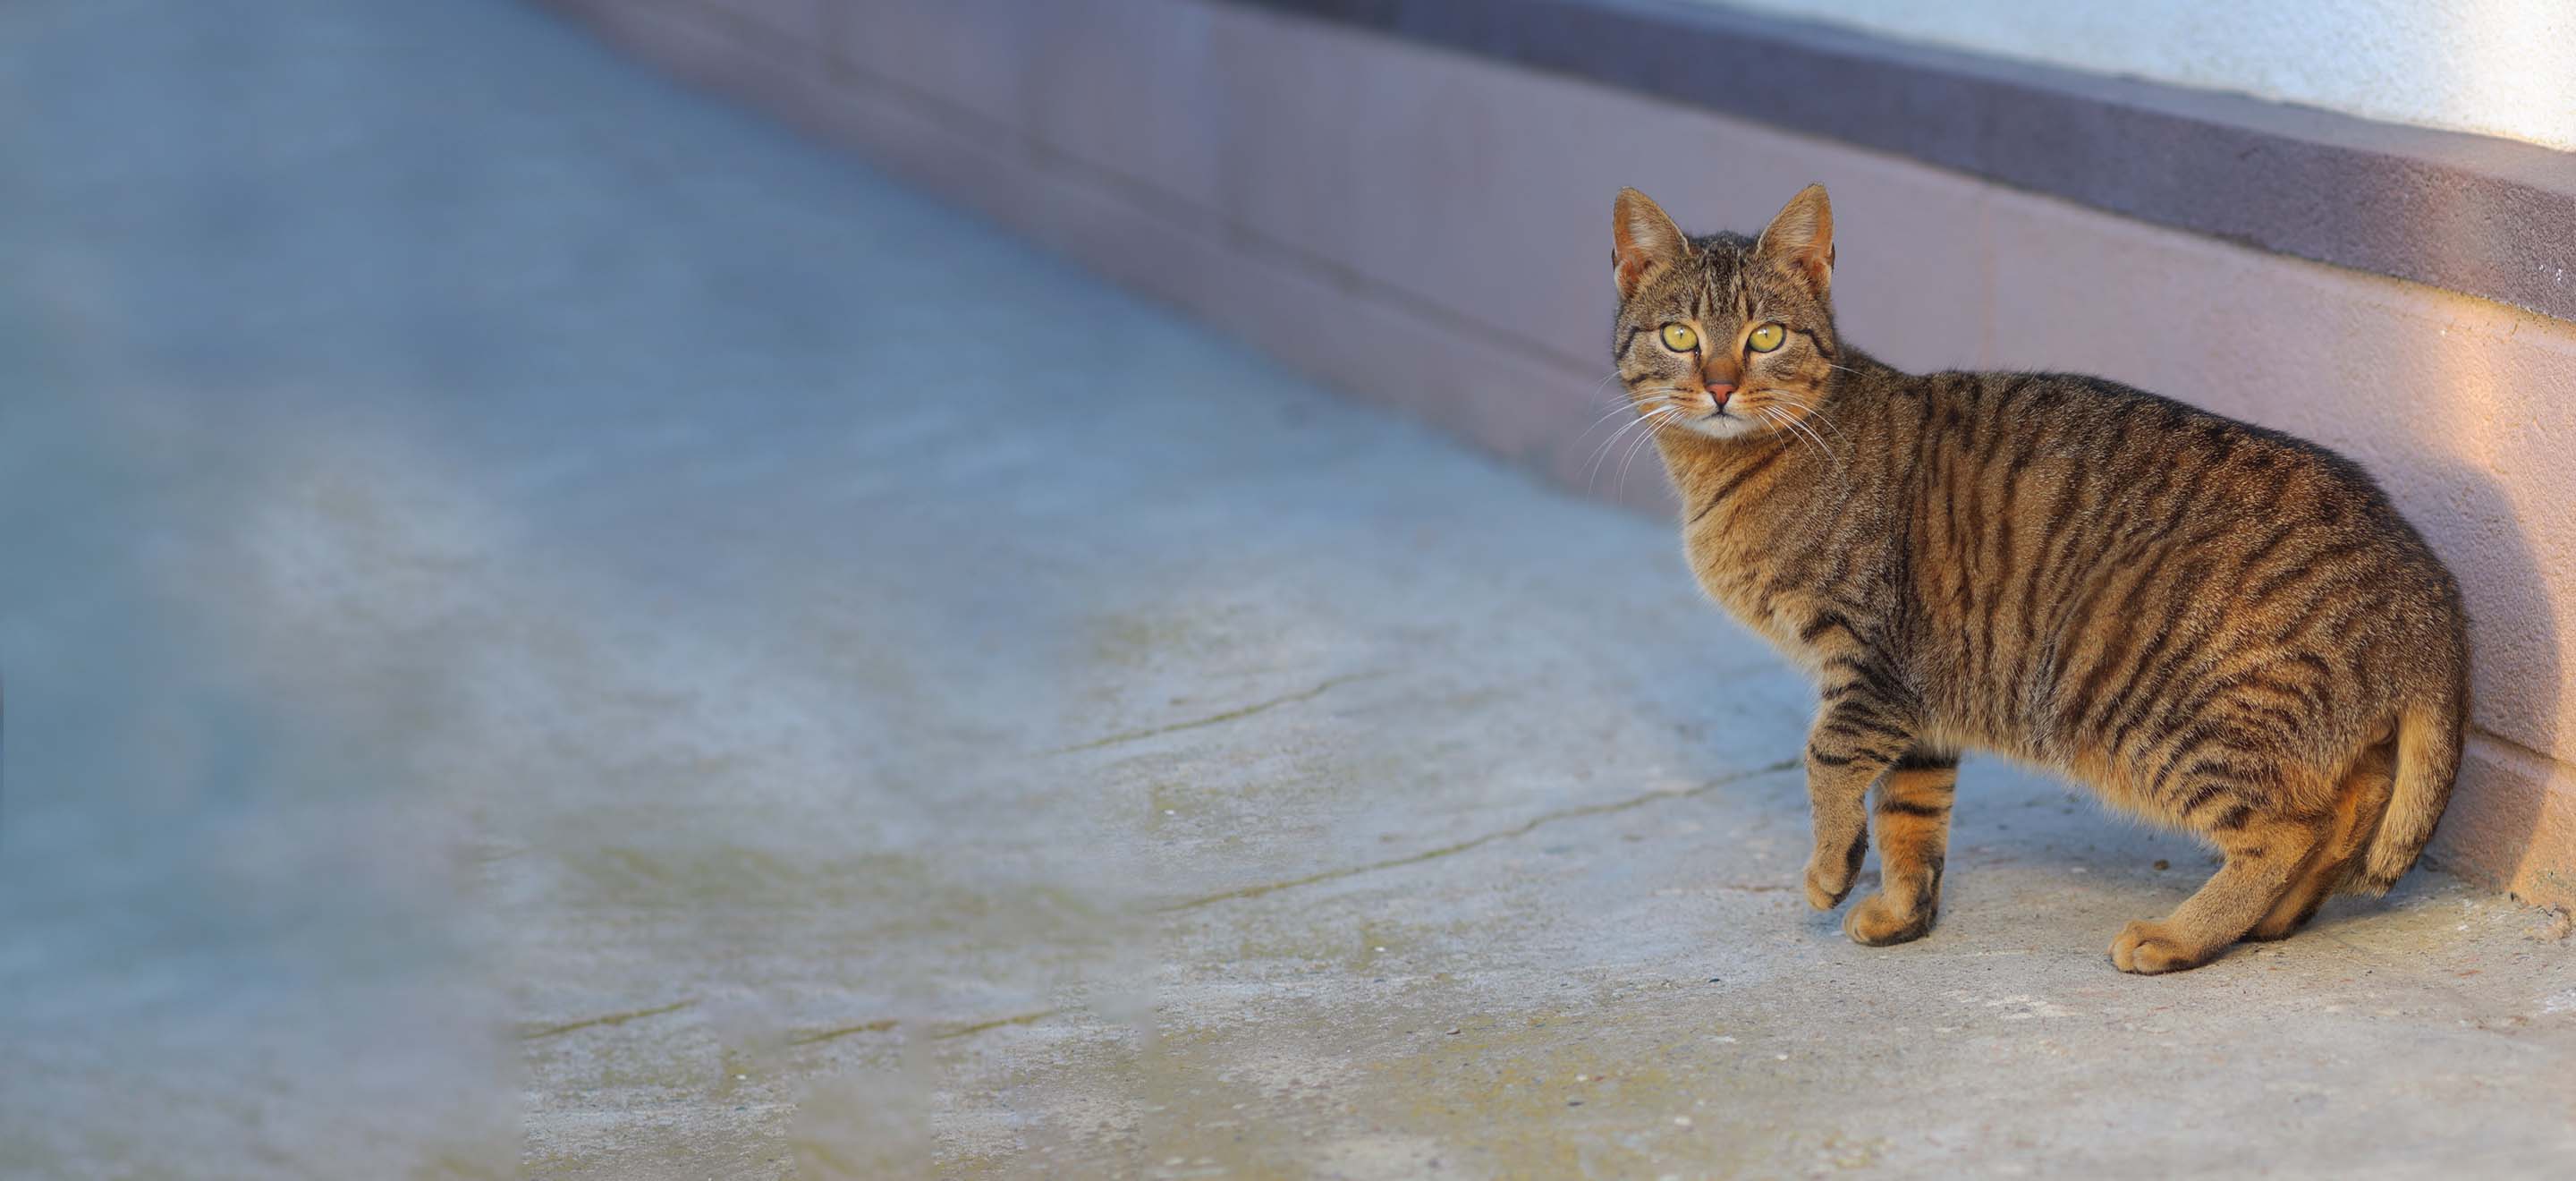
{"x":554,"y":627}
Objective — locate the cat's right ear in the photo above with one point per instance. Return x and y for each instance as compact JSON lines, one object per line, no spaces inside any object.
{"x":1644,"y":240}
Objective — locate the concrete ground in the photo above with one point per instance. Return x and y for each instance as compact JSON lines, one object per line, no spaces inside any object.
{"x":554,"y":627}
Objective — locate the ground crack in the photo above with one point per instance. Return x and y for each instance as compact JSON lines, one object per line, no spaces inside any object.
{"x":880,"y":1025}
{"x":611,"y":1019}
{"x":883,"y":1024}
{"x":1521,"y":829}
{"x":995,"y":1023}
{"x":1227,"y":716}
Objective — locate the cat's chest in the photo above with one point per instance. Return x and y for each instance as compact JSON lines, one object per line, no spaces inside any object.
{"x":1750,"y":584}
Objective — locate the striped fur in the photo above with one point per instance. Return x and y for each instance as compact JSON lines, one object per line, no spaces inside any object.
{"x":2216,"y":626}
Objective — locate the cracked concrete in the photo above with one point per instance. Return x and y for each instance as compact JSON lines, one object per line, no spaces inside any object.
{"x":558,"y":628}
{"x":1214,"y":719}
{"x":1518,"y":830}
{"x":610,"y":1019}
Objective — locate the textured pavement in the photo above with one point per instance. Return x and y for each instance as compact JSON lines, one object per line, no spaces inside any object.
{"x":554,"y":627}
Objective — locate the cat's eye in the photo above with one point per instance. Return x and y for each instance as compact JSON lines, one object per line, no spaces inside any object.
{"x":1766,"y":338}
{"x":1679,"y":338}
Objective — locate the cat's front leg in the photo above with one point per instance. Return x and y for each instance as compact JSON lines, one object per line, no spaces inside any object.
{"x":1861,"y":732}
{"x":1913,"y":819}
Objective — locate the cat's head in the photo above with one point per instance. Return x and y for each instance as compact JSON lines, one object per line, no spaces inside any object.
{"x":1725,"y":336}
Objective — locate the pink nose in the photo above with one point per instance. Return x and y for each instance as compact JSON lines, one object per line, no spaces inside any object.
{"x":1720,"y":390}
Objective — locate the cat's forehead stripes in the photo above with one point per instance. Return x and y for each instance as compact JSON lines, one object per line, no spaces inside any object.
{"x":1723,"y":276}
{"x":1715,"y":282}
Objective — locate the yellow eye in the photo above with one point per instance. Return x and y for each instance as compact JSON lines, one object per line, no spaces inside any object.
{"x":1680,"y":338}
{"x":1766,"y":338}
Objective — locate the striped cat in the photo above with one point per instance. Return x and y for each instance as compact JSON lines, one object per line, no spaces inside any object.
{"x":2218,"y":627}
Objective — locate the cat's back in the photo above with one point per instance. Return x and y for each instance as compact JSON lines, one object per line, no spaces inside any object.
{"x":2087,"y":553}
{"x":2121,"y":457}
{"x":2124,"y":466}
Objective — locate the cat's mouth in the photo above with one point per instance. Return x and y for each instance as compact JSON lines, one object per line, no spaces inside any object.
{"x":1729,"y":421}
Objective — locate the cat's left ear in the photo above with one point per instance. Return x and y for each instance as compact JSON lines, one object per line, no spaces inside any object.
{"x":1800,"y":241}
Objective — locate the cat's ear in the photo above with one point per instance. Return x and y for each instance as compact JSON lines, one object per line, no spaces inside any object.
{"x":1800,"y":241}
{"x":1643,"y":240}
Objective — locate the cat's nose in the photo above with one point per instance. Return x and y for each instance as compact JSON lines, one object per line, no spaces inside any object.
{"x":1720,"y":390}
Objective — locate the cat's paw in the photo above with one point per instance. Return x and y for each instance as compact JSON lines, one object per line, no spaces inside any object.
{"x":1879,"y":921}
{"x":1827,"y":884}
{"x":2150,"y":948}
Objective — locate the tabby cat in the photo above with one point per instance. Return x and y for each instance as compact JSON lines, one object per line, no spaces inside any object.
{"x":2218,"y":627}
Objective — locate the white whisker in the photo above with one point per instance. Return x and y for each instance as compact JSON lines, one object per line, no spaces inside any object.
{"x":1772,"y":416}
{"x":1603,"y":452}
{"x":1797,"y":425}
{"x":1812,"y":412}
{"x":1606,"y":415}
{"x":1810,"y":432}
{"x":1642,"y":439}
{"x":1781,"y":421}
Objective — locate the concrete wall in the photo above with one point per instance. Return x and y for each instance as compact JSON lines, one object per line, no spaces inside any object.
{"x":1429,"y":230}
{"x":2495,"y":67}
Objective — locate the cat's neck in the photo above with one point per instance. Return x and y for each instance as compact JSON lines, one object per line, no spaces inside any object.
{"x":1741,"y":475}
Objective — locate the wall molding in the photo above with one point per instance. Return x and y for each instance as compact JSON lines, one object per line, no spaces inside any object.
{"x":2487,"y":217}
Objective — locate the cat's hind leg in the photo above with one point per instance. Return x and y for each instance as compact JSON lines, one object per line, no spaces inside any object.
{"x":2265,"y":852}
{"x":2359,"y":802}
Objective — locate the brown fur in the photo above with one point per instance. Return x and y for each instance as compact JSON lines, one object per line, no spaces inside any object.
{"x":2218,"y":627}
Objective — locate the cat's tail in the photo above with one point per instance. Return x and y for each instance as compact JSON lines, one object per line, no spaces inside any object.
{"x":2428,"y":760}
